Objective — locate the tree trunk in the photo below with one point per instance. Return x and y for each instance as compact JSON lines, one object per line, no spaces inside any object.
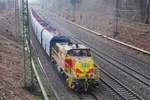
{"x":147,"y":11}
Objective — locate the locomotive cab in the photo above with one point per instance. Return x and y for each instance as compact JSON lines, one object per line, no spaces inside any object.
{"x":80,"y":63}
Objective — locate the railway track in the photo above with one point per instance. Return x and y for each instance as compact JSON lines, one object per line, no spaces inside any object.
{"x":123,"y":91}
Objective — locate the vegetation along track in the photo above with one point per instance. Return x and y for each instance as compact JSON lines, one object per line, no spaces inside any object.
{"x":120,"y":89}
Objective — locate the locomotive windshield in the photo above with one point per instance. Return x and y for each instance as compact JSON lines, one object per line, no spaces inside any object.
{"x":80,"y":52}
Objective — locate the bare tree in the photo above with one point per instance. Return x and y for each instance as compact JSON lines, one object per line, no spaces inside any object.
{"x":116,"y":19}
{"x":75,"y":5}
{"x":147,"y":11}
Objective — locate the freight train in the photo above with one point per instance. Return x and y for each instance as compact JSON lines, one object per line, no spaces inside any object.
{"x":74,"y":61}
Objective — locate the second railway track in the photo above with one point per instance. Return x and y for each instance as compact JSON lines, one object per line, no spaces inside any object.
{"x":124,"y":92}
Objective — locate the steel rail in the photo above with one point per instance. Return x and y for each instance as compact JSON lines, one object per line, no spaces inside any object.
{"x":123,"y":87}
{"x":40,"y":82}
{"x":57,"y":97}
{"x":113,"y":89}
{"x":41,"y":66}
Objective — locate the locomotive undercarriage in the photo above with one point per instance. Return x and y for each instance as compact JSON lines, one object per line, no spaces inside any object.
{"x":82,"y":85}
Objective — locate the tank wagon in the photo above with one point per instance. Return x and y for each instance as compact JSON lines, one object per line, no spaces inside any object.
{"x":74,"y":61}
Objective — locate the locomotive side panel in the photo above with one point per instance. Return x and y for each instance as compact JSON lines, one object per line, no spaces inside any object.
{"x":39,"y":29}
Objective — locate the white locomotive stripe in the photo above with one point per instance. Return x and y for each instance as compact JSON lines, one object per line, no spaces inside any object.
{"x":41,"y":65}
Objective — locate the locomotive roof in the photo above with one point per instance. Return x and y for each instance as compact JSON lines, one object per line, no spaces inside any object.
{"x":66,"y":46}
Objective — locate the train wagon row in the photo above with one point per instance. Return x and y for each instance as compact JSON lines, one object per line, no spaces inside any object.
{"x":46,"y":35}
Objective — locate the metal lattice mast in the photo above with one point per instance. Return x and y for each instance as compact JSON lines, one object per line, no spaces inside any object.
{"x":17,"y":18}
{"x":28,"y":77}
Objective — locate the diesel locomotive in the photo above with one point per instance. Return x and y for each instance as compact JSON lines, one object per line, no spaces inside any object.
{"x":72,"y":60}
